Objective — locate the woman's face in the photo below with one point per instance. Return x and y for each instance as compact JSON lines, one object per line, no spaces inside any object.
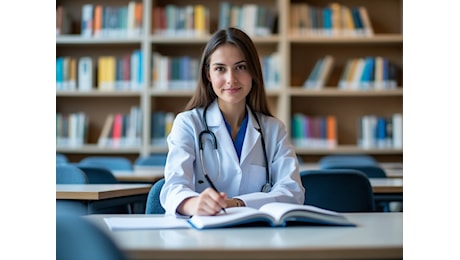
{"x":229,"y":75}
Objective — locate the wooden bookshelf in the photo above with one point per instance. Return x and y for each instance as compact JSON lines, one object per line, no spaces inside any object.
{"x":298,"y":55}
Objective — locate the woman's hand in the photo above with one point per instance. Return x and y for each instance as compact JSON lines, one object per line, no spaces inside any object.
{"x":209,"y":202}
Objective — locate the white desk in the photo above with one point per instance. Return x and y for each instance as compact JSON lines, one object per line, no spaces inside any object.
{"x":377,"y":236}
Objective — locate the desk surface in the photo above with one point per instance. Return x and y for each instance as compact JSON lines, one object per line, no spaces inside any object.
{"x":377,"y":236}
{"x":99,"y":191}
{"x":386,"y":185}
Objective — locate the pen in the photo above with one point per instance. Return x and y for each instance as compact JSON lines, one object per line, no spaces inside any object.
{"x":214,"y":187}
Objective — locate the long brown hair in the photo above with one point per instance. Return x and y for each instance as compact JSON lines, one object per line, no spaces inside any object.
{"x":204,"y":94}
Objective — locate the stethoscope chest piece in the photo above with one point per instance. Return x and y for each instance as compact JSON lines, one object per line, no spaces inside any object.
{"x":267,"y":187}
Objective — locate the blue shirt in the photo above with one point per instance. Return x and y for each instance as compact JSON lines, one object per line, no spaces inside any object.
{"x":238,"y":142}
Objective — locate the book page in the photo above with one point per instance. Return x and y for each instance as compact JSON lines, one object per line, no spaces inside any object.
{"x":234,"y":216}
{"x":277,"y":209}
{"x":125,"y":223}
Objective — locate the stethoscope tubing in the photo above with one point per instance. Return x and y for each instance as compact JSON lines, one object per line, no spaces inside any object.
{"x":267,"y":186}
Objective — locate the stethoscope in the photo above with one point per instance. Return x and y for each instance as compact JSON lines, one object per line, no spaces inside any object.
{"x":267,"y":186}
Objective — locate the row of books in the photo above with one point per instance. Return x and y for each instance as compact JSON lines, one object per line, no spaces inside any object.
{"x":161,"y":124}
{"x":320,"y":73}
{"x":122,"y":129}
{"x":181,"y":72}
{"x":174,"y":20}
{"x":314,"y":131}
{"x":369,"y":73}
{"x":113,"y":72}
{"x":71,"y":129}
{"x":174,"y":72}
{"x":255,"y":20}
{"x":331,"y":20}
{"x":99,"y":20}
{"x":380,"y":131}
{"x":358,"y":73}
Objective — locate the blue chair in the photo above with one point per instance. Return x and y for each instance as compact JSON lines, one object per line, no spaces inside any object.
{"x":113,"y":163}
{"x":70,"y":174}
{"x":61,"y":158}
{"x":77,"y":238}
{"x":151,"y":160}
{"x":341,"y":190}
{"x":153,"y":205}
{"x":98,"y":175}
{"x":345,"y":160}
{"x":371,"y":171}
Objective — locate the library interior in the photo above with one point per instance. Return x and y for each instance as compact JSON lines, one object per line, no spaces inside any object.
{"x":333,"y":75}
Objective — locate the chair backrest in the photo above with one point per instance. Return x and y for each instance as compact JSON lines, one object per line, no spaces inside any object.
{"x":153,"y":205}
{"x":61,"y":158}
{"x":77,"y":238}
{"x":341,"y":190}
{"x":333,"y":160}
{"x":371,"y":171}
{"x":98,"y":175}
{"x":70,"y":174}
{"x":151,"y":160}
{"x":114,"y":163}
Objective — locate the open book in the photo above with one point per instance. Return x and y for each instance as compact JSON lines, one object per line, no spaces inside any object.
{"x":275,"y":214}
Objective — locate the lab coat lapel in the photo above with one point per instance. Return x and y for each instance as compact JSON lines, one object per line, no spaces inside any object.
{"x":252,"y":135}
{"x":217,"y":124}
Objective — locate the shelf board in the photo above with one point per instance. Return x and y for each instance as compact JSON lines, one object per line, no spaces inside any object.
{"x":348,"y":149}
{"x":378,"y":39}
{"x":77,"y":39}
{"x":177,"y":40}
{"x":171,"y":92}
{"x":98,"y":93}
{"x":95,"y":149}
{"x":335,"y":92}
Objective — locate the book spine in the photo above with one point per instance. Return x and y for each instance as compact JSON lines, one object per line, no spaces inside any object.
{"x":87,"y":20}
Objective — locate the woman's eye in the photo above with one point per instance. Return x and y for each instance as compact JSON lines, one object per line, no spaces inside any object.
{"x":241,"y":67}
{"x":219,"y":68}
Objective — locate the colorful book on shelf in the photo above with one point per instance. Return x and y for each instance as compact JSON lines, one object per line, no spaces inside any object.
{"x":327,"y":21}
{"x":275,"y":214}
{"x":117,"y":130}
{"x":59,"y":73}
{"x":355,"y":79}
{"x":105,"y":137}
{"x":98,"y":17}
{"x":327,"y":65}
{"x":349,"y":24}
{"x":85,"y":73}
{"x":310,"y":82}
{"x":331,"y":131}
{"x":72,"y":81}
{"x":63,"y":21}
{"x":359,"y":28}
{"x":366,"y":21}
{"x":336,"y":18}
{"x":367,"y":75}
{"x":224,"y":15}
{"x":397,"y":123}
{"x":87,"y":26}
{"x":201,"y":20}
{"x":378,"y":73}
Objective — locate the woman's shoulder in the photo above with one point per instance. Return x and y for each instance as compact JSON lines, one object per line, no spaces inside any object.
{"x":270,"y":120}
{"x":189,"y":117}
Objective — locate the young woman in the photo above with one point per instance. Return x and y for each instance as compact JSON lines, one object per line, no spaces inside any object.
{"x":226,"y":149}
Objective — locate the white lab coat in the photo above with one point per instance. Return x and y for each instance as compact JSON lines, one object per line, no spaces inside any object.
{"x":238,"y":178}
